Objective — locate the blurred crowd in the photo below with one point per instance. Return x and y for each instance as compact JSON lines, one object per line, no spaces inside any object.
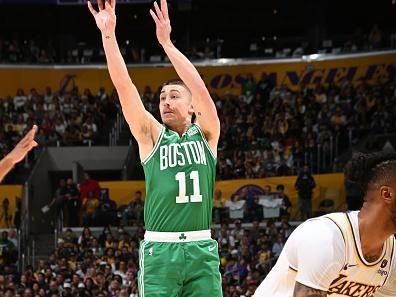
{"x":72,"y":118}
{"x":266,"y":131}
{"x":23,"y":51}
{"x":271,"y":130}
{"x":87,"y":204}
{"x":106,"y":264}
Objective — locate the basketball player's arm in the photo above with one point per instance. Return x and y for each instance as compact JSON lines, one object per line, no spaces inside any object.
{"x":18,"y":153}
{"x":203,"y":104}
{"x":139,"y":120}
{"x":303,"y":291}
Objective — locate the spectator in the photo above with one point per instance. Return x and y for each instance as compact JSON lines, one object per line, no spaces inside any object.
{"x":304,"y":185}
{"x":134,"y":210}
{"x":58,"y":203}
{"x":106,"y":213}
{"x":5,"y":214}
{"x":8,"y":250}
{"x":20,"y":101}
{"x":286,"y":204}
{"x":218,"y":207}
{"x":89,"y":207}
{"x":12,"y":236}
{"x":278,"y":245}
{"x":72,"y":204}
{"x":89,"y":185}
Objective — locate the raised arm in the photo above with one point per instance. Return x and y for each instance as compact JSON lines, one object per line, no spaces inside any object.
{"x":18,"y":153}
{"x":143,"y":126}
{"x":203,"y":104}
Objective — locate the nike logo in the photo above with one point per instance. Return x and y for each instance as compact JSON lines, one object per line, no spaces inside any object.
{"x":211,"y":248}
{"x":349,"y":266}
{"x":167,"y":136}
{"x":150,"y":251}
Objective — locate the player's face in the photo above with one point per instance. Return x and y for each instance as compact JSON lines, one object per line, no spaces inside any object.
{"x":175,"y":104}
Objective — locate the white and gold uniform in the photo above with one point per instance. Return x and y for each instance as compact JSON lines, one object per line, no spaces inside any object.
{"x":325,"y":253}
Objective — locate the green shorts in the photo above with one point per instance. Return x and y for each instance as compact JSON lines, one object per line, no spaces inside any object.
{"x":179,"y":269}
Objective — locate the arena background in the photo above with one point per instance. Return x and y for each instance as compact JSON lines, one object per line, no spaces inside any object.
{"x":294,"y":83}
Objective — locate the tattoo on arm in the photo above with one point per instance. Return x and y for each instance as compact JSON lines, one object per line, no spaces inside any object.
{"x":303,"y":291}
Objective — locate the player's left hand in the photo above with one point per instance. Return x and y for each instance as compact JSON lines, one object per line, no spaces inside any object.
{"x":162,"y":22}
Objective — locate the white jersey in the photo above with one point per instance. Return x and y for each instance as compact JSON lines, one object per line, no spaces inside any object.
{"x":325,"y":253}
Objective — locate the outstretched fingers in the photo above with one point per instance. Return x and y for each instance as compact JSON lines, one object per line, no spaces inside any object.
{"x":155,"y":18}
{"x":164,"y":9}
{"x":158,"y":11}
{"x":91,"y":9}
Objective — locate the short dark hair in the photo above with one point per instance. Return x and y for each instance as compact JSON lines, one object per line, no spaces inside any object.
{"x":365,"y":169}
{"x":174,"y":82}
{"x":177,"y":82}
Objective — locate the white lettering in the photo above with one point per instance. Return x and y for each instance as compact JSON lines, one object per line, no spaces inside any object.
{"x":163,"y":157}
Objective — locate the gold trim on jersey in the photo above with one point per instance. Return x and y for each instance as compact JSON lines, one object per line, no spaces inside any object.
{"x":345,"y":241}
{"x":293,"y":269}
{"x":390,"y":258}
{"x":362,"y":260}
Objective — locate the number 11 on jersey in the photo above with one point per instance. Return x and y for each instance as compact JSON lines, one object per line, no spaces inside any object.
{"x":182,"y":197}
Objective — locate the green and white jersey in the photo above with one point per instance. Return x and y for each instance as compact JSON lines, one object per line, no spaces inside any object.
{"x":180,"y":177}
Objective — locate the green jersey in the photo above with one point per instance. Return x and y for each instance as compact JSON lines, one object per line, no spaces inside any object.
{"x":180,"y":177}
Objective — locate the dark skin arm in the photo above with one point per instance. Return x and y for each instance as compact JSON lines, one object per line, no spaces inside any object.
{"x":303,"y":291}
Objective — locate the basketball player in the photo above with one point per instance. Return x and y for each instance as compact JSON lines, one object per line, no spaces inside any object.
{"x":18,"y":153}
{"x":344,"y":254}
{"x":177,"y":256}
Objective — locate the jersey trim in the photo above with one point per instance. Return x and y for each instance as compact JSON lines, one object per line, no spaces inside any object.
{"x":144,"y":162}
{"x":141,"y":264}
{"x":362,"y":260}
{"x":206,"y":142}
{"x":344,"y":238}
{"x":391,"y":260}
{"x":293,"y":269}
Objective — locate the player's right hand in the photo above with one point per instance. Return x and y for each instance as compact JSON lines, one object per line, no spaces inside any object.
{"x":24,"y":146}
{"x":105,"y":18}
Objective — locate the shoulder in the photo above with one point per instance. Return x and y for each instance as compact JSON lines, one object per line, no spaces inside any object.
{"x":322,"y":224}
{"x":320,"y":237}
{"x":316,"y":252}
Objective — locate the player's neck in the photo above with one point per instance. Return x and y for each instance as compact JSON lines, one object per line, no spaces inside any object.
{"x":375,"y":228}
{"x":180,"y":129}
